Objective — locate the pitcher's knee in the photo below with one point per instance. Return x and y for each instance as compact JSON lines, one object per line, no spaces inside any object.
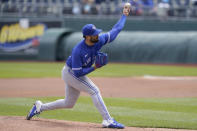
{"x":69,"y":104}
{"x":94,"y":90}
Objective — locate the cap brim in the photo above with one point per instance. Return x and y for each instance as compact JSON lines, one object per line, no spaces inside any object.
{"x":98,"y":31}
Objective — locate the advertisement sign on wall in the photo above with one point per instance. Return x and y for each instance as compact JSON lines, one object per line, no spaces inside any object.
{"x":20,"y":38}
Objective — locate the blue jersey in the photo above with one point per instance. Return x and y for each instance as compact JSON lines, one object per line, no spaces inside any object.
{"x":83,"y":56}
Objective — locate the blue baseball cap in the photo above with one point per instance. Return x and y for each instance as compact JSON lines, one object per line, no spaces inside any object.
{"x":90,"y":29}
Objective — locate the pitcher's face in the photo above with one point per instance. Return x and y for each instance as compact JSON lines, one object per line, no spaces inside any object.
{"x":94,"y":39}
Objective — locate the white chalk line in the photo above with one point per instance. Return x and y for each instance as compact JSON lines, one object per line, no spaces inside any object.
{"x":169,"y":77}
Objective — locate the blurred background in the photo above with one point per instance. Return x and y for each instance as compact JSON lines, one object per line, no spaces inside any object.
{"x":60,"y":8}
{"x":157,"y":31}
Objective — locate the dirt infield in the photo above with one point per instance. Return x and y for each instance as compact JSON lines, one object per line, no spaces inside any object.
{"x":20,"y":124}
{"x":110,"y":87}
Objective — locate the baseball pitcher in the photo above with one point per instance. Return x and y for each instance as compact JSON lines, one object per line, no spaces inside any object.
{"x":84,"y":59}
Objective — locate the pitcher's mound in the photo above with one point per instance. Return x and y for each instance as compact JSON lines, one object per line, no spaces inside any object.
{"x":16,"y":123}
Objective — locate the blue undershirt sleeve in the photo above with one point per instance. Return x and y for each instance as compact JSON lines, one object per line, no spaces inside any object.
{"x":117,"y":28}
{"x":112,"y":34}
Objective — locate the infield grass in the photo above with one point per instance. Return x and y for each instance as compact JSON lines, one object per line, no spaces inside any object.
{"x":137,"y":112}
{"x":46,"y":69}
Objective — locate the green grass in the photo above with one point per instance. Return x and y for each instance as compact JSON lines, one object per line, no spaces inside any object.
{"x":46,"y":69}
{"x":29,"y":69}
{"x":138,"y":112}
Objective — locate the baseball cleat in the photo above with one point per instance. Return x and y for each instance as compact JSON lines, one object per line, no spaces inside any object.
{"x":112,"y":124}
{"x":35,"y":110}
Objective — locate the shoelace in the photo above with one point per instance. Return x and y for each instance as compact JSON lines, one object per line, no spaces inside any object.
{"x":115,"y":122}
{"x":36,"y":113}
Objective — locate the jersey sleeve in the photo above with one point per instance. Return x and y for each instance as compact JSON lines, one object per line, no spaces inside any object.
{"x":103,"y":39}
{"x":76,"y":60}
{"x":117,"y":28}
{"x":112,"y":34}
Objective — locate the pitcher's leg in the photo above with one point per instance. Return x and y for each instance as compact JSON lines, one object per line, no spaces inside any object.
{"x":86,"y":85}
{"x":71,"y":97}
{"x":97,"y":99}
{"x":100,"y":105}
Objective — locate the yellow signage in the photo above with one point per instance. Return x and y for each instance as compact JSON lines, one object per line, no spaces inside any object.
{"x":15,"y":33}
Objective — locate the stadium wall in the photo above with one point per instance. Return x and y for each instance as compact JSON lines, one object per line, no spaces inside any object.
{"x":146,"y":47}
{"x":147,"y":41}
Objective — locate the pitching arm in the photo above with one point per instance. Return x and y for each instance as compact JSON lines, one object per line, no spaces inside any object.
{"x":112,"y":34}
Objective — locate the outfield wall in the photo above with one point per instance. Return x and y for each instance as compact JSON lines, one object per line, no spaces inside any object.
{"x":138,"y":46}
{"x":146,"y":47}
{"x":153,"y":41}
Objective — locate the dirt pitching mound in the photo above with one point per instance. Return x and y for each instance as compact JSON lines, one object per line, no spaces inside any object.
{"x":14,"y":123}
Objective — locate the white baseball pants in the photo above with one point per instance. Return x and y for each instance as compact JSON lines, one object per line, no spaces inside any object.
{"x":73,"y":88}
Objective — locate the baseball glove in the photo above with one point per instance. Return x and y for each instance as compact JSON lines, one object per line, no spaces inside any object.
{"x":101,"y":59}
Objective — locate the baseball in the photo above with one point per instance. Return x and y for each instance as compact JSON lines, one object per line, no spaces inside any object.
{"x":127,"y":8}
{"x":128,"y":5}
